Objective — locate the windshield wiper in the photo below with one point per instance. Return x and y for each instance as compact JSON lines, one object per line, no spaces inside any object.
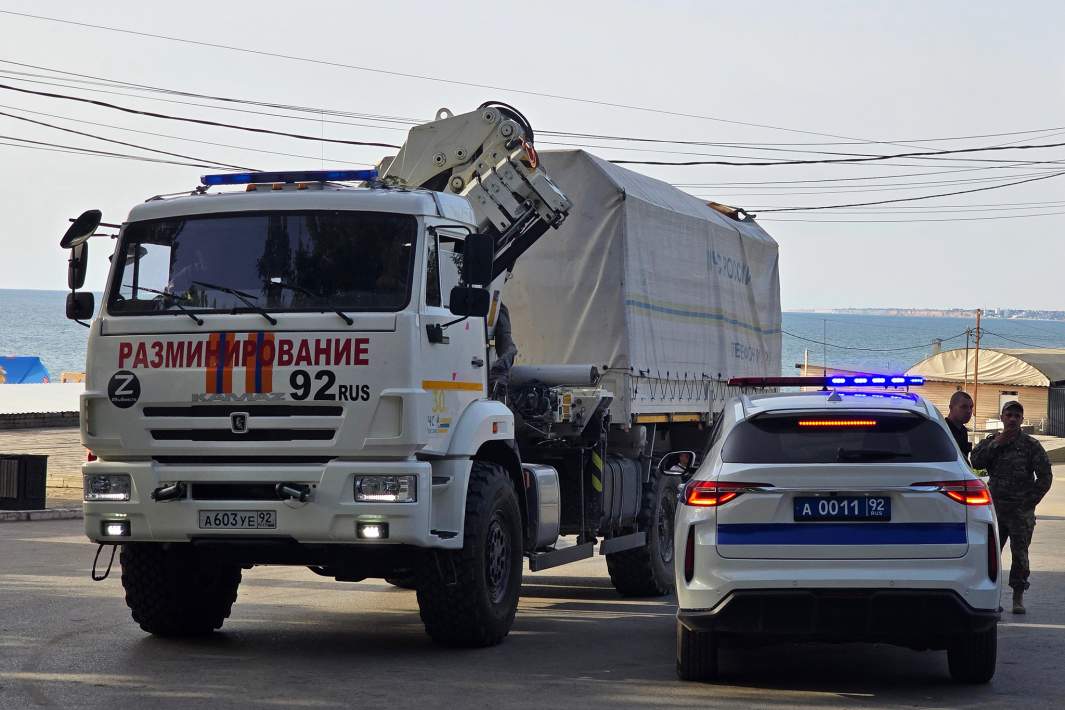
{"x":245,"y":297}
{"x":308,"y":292}
{"x":174,"y":297}
{"x":868,"y":454}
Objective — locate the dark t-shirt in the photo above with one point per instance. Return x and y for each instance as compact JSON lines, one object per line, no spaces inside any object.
{"x":961,"y":435}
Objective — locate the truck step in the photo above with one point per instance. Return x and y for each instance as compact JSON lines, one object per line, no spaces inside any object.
{"x":625,"y":542}
{"x":553,"y":558}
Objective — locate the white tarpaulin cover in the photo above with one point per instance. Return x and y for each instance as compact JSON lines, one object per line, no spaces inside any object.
{"x":646,"y":276}
{"x":1035,"y":367}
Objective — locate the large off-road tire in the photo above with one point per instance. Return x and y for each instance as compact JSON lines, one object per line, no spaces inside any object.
{"x":696,"y":654}
{"x":173,"y":591}
{"x":468,"y":597}
{"x":648,"y":571}
{"x":972,"y":657}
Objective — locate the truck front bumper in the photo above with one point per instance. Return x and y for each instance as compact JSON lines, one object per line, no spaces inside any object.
{"x":329,"y":515}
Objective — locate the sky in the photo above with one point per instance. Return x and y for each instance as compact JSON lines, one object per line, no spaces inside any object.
{"x":899,"y":72}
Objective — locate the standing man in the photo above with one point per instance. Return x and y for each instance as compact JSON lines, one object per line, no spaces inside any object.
{"x":958,"y":415}
{"x":1019,"y":476}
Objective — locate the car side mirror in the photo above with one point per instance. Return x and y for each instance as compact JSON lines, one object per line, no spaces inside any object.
{"x":477,"y":255}
{"x":677,"y":463}
{"x":77,"y":266}
{"x":469,"y":301}
{"x":80,"y":305}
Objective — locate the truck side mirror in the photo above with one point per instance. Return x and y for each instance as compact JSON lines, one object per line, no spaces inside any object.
{"x":77,"y":265}
{"x":81,"y":229}
{"x":469,"y":301}
{"x":677,"y":463}
{"x":80,"y":305}
{"x":477,"y":255}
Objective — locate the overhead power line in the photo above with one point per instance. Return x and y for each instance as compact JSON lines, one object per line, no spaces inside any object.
{"x":128,"y":145}
{"x":179,"y":138}
{"x":200,"y":121}
{"x":421,"y":77}
{"x":900,"y":221}
{"x":76,"y":150}
{"x":1012,"y":340}
{"x":913,"y":199}
{"x":871,"y":350}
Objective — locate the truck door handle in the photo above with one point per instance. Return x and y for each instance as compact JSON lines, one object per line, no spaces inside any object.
{"x":477,"y":362}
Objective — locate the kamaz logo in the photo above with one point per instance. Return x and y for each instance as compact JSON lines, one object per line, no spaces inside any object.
{"x":241,"y":397}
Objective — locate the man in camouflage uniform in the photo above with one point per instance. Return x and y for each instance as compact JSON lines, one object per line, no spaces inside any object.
{"x":1019,"y":476}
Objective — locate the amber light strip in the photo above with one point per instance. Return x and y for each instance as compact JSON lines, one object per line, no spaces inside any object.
{"x":836,"y":422}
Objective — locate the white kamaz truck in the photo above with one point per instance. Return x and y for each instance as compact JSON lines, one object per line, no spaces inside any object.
{"x":304,"y":372}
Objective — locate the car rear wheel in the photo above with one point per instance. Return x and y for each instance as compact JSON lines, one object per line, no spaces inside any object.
{"x":696,"y":654}
{"x":972,"y":657}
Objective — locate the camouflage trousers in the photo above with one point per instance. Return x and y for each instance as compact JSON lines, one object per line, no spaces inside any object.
{"x":1016,"y":524}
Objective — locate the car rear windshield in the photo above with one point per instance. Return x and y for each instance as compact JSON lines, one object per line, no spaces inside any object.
{"x":839,"y":437}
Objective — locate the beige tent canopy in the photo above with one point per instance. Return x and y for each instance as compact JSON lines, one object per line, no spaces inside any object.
{"x":1031,"y":367}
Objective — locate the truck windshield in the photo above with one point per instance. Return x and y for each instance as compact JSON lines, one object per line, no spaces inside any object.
{"x":278,"y":261}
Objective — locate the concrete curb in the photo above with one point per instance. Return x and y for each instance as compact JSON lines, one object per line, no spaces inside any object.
{"x":15,"y":516}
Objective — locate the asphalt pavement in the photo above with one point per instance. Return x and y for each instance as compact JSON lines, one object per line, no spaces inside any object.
{"x":301,"y":641}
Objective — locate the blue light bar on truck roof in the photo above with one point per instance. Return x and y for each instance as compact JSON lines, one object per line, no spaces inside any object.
{"x":830,"y":381}
{"x":288,"y":176}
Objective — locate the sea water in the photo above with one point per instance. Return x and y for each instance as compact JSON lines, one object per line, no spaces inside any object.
{"x":34,"y":323}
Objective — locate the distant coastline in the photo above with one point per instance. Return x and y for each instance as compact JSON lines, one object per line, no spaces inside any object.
{"x":997,"y":313}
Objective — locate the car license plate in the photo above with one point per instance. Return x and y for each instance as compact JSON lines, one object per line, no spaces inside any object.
{"x":843,"y":508}
{"x":238,"y":519}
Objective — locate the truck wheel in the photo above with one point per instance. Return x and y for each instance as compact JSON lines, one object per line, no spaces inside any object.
{"x":172,"y":591}
{"x":648,"y":571}
{"x":971,"y":657}
{"x":696,"y":654}
{"x":468,"y":597}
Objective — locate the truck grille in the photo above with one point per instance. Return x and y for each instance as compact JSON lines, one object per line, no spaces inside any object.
{"x":252,"y":435}
{"x":265,"y":422}
{"x":234,"y":491}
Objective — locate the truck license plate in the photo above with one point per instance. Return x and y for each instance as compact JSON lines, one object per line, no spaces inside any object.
{"x":238,"y":519}
{"x":843,"y":508}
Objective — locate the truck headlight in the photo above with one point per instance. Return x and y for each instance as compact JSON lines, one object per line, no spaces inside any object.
{"x":386,"y":489}
{"x":107,"y":486}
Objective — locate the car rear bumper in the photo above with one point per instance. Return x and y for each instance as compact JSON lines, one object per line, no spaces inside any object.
{"x":924,"y":618}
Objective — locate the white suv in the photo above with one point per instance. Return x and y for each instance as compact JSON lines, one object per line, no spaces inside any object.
{"x":836,"y":516}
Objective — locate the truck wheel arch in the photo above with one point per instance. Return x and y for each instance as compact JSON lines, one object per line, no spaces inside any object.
{"x":504,"y":453}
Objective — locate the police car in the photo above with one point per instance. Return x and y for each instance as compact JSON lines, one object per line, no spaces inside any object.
{"x":836,"y":516}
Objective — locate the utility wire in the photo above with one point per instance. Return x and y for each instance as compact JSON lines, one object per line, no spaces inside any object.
{"x":912,"y":199}
{"x":827,"y":161}
{"x":984,"y":331}
{"x":422,"y":77}
{"x":178,"y":138}
{"x":561,"y":134}
{"x":76,"y":150}
{"x":200,"y":121}
{"x":871,"y":350}
{"x":909,"y":221}
{"x":124,"y":143}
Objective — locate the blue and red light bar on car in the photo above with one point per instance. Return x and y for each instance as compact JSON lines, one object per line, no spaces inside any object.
{"x":288,"y":176}
{"x":830,"y":381}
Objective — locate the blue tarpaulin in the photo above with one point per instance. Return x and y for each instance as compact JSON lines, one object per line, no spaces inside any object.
{"x":23,"y":370}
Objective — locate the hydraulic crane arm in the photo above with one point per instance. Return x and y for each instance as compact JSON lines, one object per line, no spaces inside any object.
{"x":487,"y":156}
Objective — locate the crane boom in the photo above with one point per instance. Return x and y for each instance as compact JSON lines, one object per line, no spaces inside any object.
{"x":486,"y":156}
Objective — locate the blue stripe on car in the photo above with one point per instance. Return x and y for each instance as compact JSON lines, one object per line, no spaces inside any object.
{"x":841,"y":534}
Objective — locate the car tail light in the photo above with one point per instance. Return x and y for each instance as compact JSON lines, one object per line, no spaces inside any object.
{"x":971,"y":491}
{"x":992,"y":553}
{"x":837,"y":423}
{"x":714,"y":493}
{"x":90,"y":455}
{"x":689,"y":555}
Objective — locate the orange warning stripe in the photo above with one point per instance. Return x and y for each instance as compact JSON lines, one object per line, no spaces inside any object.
{"x":450,"y":385}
